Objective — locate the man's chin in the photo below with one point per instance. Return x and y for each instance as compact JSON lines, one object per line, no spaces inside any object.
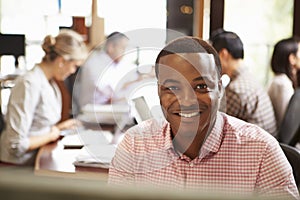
{"x":187,"y":133}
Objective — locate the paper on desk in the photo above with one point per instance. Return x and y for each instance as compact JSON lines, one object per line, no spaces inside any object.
{"x":95,"y":155}
{"x":87,"y":137}
{"x":105,"y":114}
{"x":65,"y":132}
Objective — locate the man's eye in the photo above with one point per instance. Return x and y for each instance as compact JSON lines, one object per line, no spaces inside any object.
{"x":172,"y":88}
{"x":201,"y":86}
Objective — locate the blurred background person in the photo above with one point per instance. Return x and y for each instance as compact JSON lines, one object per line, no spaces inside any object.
{"x":285,"y":63}
{"x":35,"y":104}
{"x":101,"y":72}
{"x":245,"y":98}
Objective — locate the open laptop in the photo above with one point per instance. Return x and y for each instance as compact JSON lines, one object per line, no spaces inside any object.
{"x":141,"y":111}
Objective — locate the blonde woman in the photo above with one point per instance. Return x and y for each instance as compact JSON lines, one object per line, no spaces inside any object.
{"x":35,"y":103}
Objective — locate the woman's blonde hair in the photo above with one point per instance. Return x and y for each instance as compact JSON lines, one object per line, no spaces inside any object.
{"x":67,"y":44}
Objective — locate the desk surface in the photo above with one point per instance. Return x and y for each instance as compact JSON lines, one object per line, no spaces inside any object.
{"x":54,"y":160}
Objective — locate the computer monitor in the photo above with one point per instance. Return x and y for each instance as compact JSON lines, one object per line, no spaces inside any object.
{"x":12,"y":44}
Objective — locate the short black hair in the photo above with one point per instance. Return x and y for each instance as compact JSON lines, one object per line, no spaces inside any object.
{"x":114,"y":36}
{"x":188,"y":44}
{"x":221,"y":39}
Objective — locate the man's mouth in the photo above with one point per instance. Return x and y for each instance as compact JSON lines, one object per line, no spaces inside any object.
{"x":189,"y":115}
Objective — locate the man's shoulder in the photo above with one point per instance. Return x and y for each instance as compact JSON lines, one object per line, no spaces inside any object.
{"x":96,"y":58}
{"x":244,"y":84}
{"x":245,"y":131}
{"x":145,"y":136}
{"x":246,"y":88}
{"x":148,"y":127}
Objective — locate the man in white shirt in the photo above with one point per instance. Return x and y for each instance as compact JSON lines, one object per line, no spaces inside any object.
{"x":101,"y":72}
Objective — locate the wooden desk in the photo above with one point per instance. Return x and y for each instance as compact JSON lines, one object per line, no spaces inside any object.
{"x":53,"y":160}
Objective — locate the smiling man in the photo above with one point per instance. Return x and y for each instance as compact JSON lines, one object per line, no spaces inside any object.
{"x":189,"y":88}
{"x":197,"y":147}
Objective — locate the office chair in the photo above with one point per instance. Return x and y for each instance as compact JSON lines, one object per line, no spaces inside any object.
{"x":293,"y":156}
{"x":289,"y":131}
{"x":69,"y":82}
{"x":2,"y":121}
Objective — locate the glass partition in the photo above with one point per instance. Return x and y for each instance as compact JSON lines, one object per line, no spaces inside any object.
{"x":260,"y":24}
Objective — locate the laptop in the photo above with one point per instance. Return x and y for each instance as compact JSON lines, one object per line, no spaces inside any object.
{"x":141,"y":111}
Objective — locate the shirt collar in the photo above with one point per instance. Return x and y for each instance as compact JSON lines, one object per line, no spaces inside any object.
{"x":107,"y":59}
{"x":212,"y":142}
{"x":43,"y":75}
{"x":214,"y":139}
{"x":240,"y":70}
{"x":168,"y":144}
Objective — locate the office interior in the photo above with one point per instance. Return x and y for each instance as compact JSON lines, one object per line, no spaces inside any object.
{"x":24,"y":23}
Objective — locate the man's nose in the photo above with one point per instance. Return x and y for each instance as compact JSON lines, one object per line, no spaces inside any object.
{"x":187,"y":97}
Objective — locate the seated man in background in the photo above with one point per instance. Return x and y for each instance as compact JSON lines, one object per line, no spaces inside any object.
{"x":198,"y":147}
{"x":245,"y":98}
{"x":101,"y":72}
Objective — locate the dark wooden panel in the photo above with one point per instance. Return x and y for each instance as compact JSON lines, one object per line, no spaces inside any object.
{"x":180,"y":16}
{"x":216,"y":14}
{"x":296,"y":26}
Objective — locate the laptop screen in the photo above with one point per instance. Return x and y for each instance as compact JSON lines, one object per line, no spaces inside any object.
{"x":141,"y":109}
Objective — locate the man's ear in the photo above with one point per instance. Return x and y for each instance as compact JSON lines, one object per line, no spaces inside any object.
{"x":109,"y":49}
{"x":220,"y":89}
{"x":158,"y":89}
{"x":223,"y":53}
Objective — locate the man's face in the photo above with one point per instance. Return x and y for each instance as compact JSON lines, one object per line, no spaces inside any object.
{"x":189,"y":90}
{"x":118,"y":49}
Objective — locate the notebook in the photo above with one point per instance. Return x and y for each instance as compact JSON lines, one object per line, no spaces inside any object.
{"x":87,"y":137}
{"x":98,"y":156}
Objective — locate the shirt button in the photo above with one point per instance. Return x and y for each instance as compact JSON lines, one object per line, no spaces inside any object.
{"x":191,"y":164}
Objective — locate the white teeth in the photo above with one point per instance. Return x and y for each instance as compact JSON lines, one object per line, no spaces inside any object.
{"x":188,"y":114}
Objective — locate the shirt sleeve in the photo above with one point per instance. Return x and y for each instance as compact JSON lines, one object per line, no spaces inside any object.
{"x":276,"y":175}
{"x":283,"y":96}
{"x":242,"y":105}
{"x":23,"y":100}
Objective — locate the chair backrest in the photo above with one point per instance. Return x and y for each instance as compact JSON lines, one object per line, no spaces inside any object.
{"x":289,"y":131}
{"x":73,"y":91}
{"x":2,"y":121}
{"x":293,"y":156}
